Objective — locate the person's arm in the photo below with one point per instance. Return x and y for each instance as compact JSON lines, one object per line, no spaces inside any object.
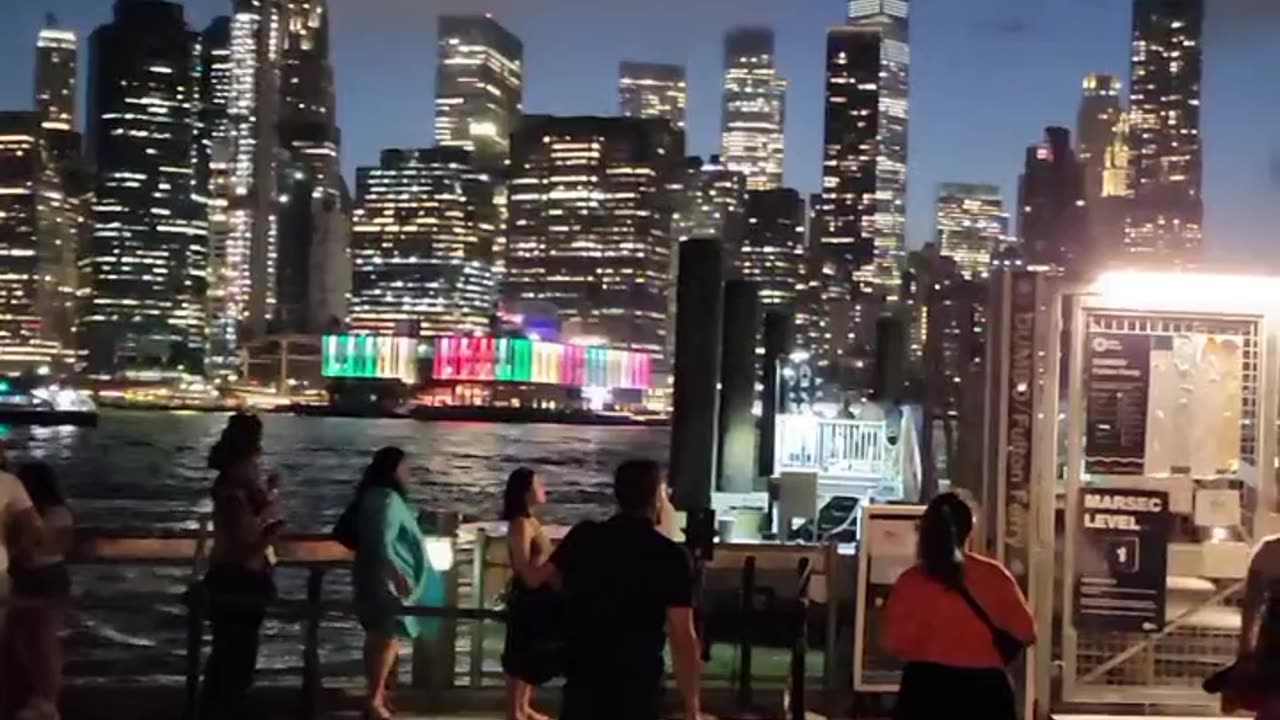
{"x":532,"y":573}
{"x":686,"y":651}
{"x":26,"y":529}
{"x":904,"y":631}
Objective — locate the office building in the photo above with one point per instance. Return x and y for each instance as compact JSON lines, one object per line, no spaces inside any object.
{"x":1098,"y":127}
{"x":652,"y":90}
{"x":710,"y":201}
{"x":1165,"y":224}
{"x":313,"y":271}
{"x":972,"y":226}
{"x":56,"y":77}
{"x":147,"y":259}
{"x":857,"y":254}
{"x":423,"y":230}
{"x":589,"y":227}
{"x":886,"y":229}
{"x":773,"y":247}
{"x":213,"y":178}
{"x":1053,"y":218}
{"x":479,"y":87}
{"x":249,"y":253}
{"x":751,"y":139}
{"x":37,"y":264}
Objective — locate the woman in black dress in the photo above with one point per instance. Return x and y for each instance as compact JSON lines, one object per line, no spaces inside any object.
{"x":530,"y":657}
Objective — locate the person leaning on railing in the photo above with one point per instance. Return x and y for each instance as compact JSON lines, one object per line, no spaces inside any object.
{"x":246,"y":520}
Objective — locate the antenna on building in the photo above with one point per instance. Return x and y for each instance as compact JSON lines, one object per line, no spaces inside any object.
{"x":50,"y":20}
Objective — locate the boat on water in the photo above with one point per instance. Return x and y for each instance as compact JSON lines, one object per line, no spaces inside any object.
{"x":47,"y":407}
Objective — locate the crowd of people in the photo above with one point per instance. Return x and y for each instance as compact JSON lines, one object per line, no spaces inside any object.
{"x":597,"y":609}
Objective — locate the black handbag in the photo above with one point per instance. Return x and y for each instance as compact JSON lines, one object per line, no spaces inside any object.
{"x":1007,"y":644}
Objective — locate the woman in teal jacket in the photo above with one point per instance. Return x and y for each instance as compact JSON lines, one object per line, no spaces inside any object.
{"x":391,"y":570}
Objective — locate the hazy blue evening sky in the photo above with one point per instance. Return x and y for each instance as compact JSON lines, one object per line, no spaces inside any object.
{"x":987,"y":76}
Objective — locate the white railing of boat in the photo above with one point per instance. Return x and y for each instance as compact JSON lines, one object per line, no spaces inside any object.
{"x":856,"y":457}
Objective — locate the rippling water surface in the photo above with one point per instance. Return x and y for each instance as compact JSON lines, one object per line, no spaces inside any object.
{"x":147,"y":469}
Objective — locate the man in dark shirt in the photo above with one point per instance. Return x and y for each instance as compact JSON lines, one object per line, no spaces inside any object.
{"x":627,"y":586}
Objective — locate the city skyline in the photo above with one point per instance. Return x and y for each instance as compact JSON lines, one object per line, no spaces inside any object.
{"x":1237,"y":186}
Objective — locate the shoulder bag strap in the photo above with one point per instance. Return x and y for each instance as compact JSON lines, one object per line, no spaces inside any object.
{"x":976,"y":607}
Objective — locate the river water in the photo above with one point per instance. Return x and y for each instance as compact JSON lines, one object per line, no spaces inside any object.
{"x":147,"y":470}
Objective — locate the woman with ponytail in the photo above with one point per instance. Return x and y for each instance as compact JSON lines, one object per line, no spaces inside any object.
{"x":956,"y":620}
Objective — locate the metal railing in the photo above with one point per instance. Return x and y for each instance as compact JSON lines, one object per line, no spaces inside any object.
{"x":320,"y":555}
{"x":856,"y":457}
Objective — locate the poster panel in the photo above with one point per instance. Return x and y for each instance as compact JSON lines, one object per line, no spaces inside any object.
{"x":1122,"y":558}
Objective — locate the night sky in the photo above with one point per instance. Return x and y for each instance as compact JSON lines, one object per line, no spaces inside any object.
{"x":987,"y":76}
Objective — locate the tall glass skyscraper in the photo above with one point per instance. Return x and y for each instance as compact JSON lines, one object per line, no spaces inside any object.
{"x":422,"y":244}
{"x":888,"y":19}
{"x":1166,"y":222}
{"x":751,"y":139}
{"x":972,"y":226}
{"x":652,"y":90}
{"x":148,"y":255}
{"x":1097,"y":125}
{"x":479,"y":87}
{"x":590,"y":224}
{"x":56,"y":77}
{"x":773,"y":246}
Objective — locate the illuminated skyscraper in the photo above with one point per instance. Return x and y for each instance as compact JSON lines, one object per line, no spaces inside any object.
{"x":56,"y":77}
{"x":589,"y":229}
{"x":248,"y":270}
{"x":710,"y":202}
{"x":313,"y":270}
{"x":773,"y":248}
{"x":1097,"y":127}
{"x":857,"y":257}
{"x":652,"y":90}
{"x":972,"y":226}
{"x":213,"y":180}
{"x":479,"y":87}
{"x":1166,"y":221}
{"x":422,"y":245}
{"x":36,"y":266}
{"x":890,"y":83}
{"x":1053,"y":219}
{"x":148,"y":256}
{"x":751,"y":140}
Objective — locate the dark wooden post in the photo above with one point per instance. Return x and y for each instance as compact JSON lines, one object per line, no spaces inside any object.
{"x":195,"y":602}
{"x":312,"y":682}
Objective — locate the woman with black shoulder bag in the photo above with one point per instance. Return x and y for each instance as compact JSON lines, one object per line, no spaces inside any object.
{"x":957,"y":620}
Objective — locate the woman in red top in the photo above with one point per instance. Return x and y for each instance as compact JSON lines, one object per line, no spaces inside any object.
{"x":953,"y":667}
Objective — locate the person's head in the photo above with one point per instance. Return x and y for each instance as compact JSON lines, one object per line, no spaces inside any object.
{"x":524,"y":492}
{"x":241,"y":441}
{"x":637,"y":485}
{"x":944,"y":529}
{"x":388,"y":469}
{"x":42,"y":485}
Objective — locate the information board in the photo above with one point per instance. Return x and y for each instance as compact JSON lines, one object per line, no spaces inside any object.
{"x":888,"y":547}
{"x":1122,"y":557}
{"x":1118,"y":371}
